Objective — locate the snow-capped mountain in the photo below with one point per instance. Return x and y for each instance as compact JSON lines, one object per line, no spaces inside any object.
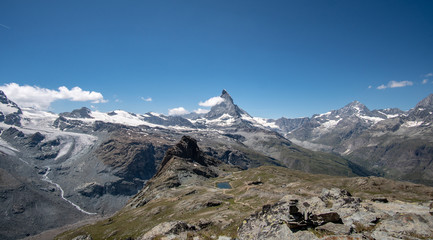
{"x":224,"y":114}
{"x":84,"y":162}
{"x":324,"y":131}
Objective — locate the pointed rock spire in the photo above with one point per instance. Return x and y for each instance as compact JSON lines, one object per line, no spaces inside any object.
{"x":225,"y":107}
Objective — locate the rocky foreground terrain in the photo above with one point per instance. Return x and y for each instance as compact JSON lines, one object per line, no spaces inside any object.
{"x":193,"y":196}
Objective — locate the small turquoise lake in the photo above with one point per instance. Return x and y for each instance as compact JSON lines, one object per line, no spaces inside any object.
{"x":224,"y":185}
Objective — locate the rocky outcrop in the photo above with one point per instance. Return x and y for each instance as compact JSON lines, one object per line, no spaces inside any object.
{"x":336,"y":212}
{"x":183,"y":164}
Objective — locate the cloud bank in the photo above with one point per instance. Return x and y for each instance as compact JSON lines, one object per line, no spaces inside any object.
{"x":395,"y":84}
{"x":41,"y":98}
{"x":211,"y":102}
{"x":177,"y":111}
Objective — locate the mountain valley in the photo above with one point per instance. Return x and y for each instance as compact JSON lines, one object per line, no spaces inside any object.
{"x":83,"y":164}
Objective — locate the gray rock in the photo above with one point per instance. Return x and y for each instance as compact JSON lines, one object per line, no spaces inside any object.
{"x":259,"y":230}
{"x":224,"y":238}
{"x":406,"y":226}
{"x":320,"y":219}
{"x":338,"y":229}
{"x":304,"y":235}
{"x":166,"y":228}
{"x":83,"y":237}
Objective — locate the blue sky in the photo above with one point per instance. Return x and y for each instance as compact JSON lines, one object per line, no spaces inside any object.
{"x":276,"y":58}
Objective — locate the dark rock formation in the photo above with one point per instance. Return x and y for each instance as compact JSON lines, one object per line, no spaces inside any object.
{"x":182,"y":164}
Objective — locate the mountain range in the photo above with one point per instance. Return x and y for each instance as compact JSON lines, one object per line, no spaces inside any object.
{"x":66,"y":167}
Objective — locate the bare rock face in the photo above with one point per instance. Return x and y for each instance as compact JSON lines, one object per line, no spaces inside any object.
{"x":336,"y":229}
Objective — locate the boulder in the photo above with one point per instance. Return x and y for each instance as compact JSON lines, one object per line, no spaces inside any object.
{"x":406,"y":226}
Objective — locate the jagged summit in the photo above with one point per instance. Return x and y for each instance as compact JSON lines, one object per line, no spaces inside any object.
{"x":225,"y":107}
{"x":10,"y":113}
{"x":426,"y":102}
{"x":353,"y":108}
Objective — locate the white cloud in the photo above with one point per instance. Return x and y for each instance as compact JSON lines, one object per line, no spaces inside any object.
{"x":201,"y":111}
{"x":395,"y":84}
{"x":370,"y":87}
{"x":424,"y":81}
{"x":429,"y":75}
{"x":177,"y":111}
{"x":211,"y":102}
{"x":41,"y":98}
{"x":381,"y":87}
{"x":149,"y":99}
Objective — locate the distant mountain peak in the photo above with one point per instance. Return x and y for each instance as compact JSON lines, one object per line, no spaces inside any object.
{"x":426,"y":102}
{"x":225,"y":107}
{"x":353,"y":108}
{"x":355,"y":103}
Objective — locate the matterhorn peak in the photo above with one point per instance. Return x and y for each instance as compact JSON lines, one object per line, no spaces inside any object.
{"x":225,"y":107}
